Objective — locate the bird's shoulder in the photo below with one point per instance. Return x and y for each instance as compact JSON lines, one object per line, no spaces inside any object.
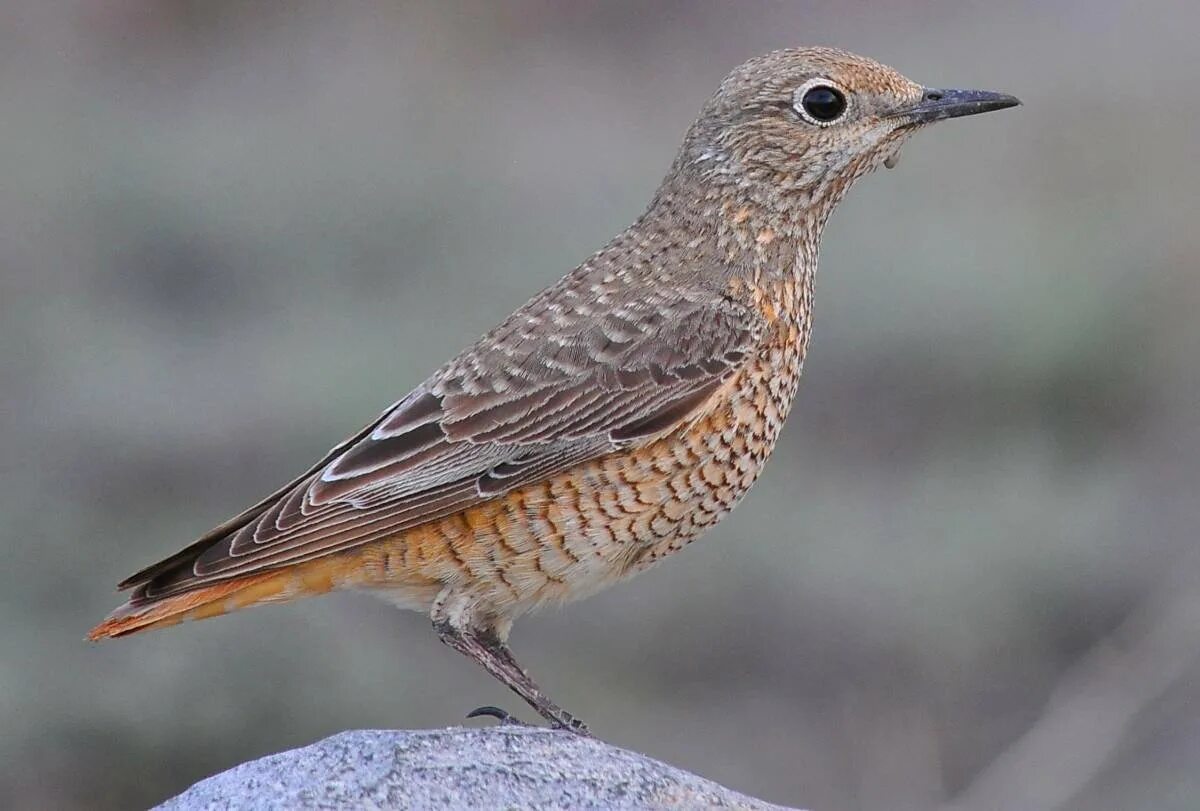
{"x":610,"y":316}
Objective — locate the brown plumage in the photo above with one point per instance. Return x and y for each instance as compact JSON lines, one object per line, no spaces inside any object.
{"x":610,"y":420}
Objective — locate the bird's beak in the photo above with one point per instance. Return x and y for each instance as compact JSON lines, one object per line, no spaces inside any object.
{"x":938,"y":104}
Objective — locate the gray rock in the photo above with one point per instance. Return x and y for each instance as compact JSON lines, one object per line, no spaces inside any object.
{"x":496,"y":767}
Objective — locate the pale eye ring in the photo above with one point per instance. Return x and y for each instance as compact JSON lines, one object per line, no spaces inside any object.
{"x":820,"y":102}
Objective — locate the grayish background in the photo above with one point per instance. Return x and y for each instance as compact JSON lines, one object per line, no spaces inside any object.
{"x":232,"y":232}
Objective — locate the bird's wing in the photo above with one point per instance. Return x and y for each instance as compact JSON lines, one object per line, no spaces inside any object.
{"x":572,"y":376}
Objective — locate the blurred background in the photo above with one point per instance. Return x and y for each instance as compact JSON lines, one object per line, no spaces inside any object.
{"x":232,"y":232}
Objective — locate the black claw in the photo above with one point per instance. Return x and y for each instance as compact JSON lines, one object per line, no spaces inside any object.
{"x":500,"y":715}
{"x":489,"y":711}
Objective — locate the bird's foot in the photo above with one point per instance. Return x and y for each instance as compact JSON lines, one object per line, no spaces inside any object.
{"x":566,"y":721}
{"x":572,"y":724}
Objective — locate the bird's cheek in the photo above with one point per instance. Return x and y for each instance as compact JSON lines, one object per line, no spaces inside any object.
{"x":811,"y":171}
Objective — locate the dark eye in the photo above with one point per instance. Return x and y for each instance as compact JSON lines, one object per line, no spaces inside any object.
{"x":823,"y":103}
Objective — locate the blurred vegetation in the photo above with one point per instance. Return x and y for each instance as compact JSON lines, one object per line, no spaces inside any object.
{"x":231,"y":232}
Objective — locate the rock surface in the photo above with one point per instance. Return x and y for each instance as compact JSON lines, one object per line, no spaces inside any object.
{"x":496,"y":767}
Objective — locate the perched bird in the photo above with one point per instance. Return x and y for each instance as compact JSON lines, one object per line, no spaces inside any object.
{"x":609,"y":421}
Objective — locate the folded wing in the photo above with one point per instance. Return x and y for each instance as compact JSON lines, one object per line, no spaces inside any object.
{"x":570,"y":377}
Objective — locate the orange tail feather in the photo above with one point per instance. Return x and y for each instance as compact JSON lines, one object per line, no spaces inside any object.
{"x":211,"y":601}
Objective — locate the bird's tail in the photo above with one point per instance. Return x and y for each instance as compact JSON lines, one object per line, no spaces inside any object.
{"x":202,"y":603}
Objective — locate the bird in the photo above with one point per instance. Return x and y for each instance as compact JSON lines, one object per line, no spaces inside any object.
{"x":615,"y":417}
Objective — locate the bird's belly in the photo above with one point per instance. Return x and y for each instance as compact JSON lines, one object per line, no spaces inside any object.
{"x":574,"y":534}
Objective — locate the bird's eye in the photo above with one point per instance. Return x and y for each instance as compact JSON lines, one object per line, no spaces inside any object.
{"x":822,"y":104}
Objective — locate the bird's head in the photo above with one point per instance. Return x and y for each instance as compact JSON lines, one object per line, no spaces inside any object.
{"x":803,"y":124}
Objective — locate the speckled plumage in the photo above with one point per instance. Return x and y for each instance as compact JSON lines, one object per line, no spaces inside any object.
{"x":615,"y":417}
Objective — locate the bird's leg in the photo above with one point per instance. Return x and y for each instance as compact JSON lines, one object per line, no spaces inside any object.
{"x":486,"y":648}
